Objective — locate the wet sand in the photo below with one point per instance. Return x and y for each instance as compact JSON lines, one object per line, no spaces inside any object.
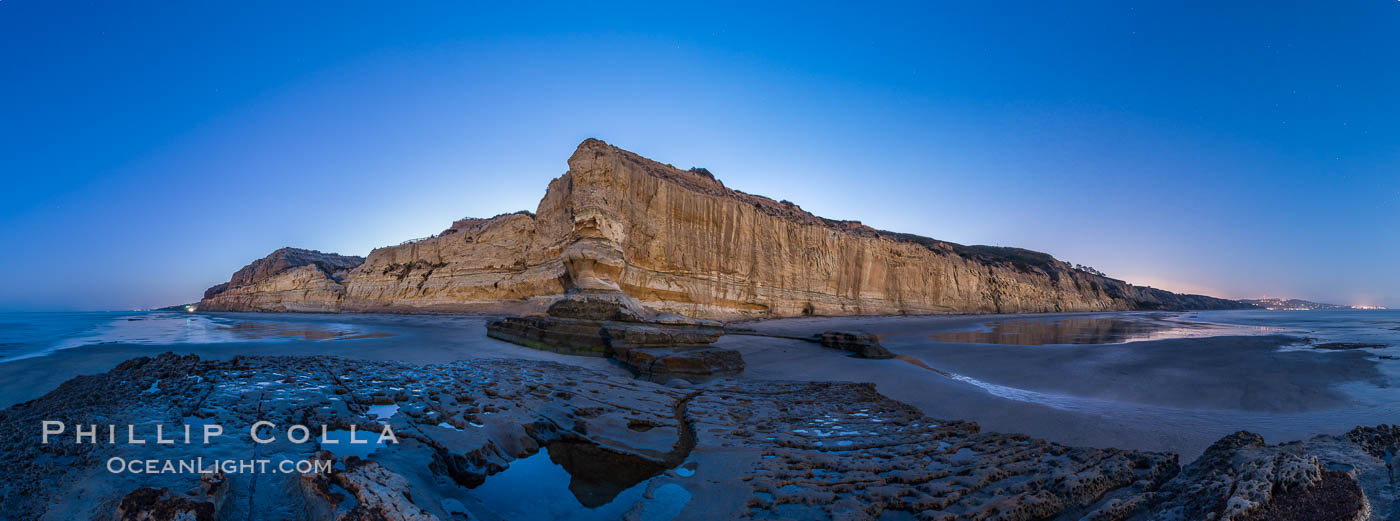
{"x":1175,"y":394}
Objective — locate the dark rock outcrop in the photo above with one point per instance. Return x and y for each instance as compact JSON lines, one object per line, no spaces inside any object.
{"x":600,"y":306}
{"x":1335,"y":497}
{"x":1341,"y":346}
{"x":861,"y":345}
{"x":560,"y":335}
{"x":378,"y":494}
{"x":671,"y":362}
{"x":600,"y":323}
{"x":1240,"y":477}
{"x":199,"y":504}
{"x":149,"y":504}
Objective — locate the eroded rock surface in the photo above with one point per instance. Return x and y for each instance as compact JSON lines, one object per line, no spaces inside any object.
{"x":200,"y":504}
{"x":719,"y":450}
{"x":679,"y":241}
{"x":1242,"y":478}
{"x":861,"y":345}
{"x":1341,"y":346}
{"x":375,"y":493}
{"x":612,"y":324}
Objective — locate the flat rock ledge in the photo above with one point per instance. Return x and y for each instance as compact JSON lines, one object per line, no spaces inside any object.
{"x":860,"y":344}
{"x":719,"y":450}
{"x":610,"y":324}
{"x":1342,"y":346}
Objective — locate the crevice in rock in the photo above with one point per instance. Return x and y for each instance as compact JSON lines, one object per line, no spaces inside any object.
{"x":597,"y":473}
{"x":253,"y":480}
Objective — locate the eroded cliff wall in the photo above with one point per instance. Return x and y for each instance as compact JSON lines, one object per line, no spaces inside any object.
{"x":680,"y":241}
{"x":694,"y":247}
{"x":289,"y":279}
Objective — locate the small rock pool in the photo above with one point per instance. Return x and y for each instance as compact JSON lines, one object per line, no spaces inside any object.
{"x":564,"y":481}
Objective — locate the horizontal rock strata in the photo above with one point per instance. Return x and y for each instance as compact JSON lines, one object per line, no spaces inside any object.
{"x":860,"y":344}
{"x":289,"y":279}
{"x":612,"y":324}
{"x":680,"y":241}
{"x":738,"y":450}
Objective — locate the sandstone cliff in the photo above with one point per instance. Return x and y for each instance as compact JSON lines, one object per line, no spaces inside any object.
{"x":680,"y":241}
{"x":289,"y":279}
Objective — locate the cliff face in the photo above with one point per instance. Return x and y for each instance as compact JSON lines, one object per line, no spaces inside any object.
{"x":289,"y":279}
{"x":679,"y":241}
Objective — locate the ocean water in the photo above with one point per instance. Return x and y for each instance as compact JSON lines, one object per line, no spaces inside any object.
{"x":1381,"y":326}
{"x":1311,"y":327}
{"x":29,"y":335}
{"x":1369,"y":401}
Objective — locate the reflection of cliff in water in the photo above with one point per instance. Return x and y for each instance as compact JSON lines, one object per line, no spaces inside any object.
{"x":259,"y":330}
{"x":1079,"y":330}
{"x":597,"y":475}
{"x":604,"y":485}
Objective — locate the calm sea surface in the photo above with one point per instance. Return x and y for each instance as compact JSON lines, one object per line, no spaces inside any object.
{"x":27,"y":335}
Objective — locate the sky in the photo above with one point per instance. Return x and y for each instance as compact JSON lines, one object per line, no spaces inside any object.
{"x":150,"y":149}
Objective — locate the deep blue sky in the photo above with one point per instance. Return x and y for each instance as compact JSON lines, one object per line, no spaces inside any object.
{"x":151,"y":149}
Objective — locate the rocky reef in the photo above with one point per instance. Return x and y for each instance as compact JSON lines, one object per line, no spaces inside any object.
{"x":859,"y":344}
{"x":609,"y":323}
{"x":681,"y":242}
{"x":719,"y":450}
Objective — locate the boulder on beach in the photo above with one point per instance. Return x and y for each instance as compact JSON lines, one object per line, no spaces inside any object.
{"x":860,"y":345}
{"x":611,"y":324}
{"x":1343,"y":346}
